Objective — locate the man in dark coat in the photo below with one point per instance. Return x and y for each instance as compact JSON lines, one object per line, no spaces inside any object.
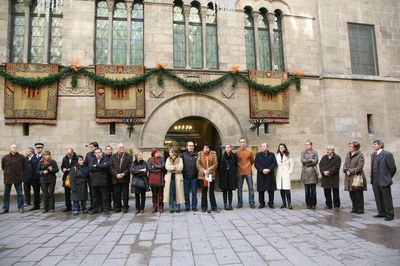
{"x":383,"y":168}
{"x":90,"y":156}
{"x":32,"y":179}
{"x":70,"y":159}
{"x":265,"y":163}
{"x":120,"y":165}
{"x":99,"y":169}
{"x":329,"y":166}
{"x":189,"y":172}
{"x":13,"y":166}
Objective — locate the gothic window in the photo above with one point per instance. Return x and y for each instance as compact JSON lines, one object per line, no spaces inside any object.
{"x":195,"y":37}
{"x":179,"y":35}
{"x":362,"y":49}
{"x":263,"y":41}
{"x":137,"y":34}
{"x":44,"y":37}
{"x":211,"y":37}
{"x":249,"y":39}
{"x":101,"y":49}
{"x":277,"y":39}
{"x":120,"y":33}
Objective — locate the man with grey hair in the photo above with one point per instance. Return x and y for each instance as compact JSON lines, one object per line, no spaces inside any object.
{"x":32,"y":179}
{"x":383,"y":168}
{"x":13,"y":166}
{"x":329,"y":167}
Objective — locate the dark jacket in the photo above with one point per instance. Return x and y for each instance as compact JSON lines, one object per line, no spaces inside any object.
{"x":265,"y":160}
{"x":156,"y":168}
{"x":333,"y":166}
{"x":116,"y":167}
{"x":30,"y":173}
{"x":78,"y":179}
{"x":135,"y":171}
{"x":99,"y":172}
{"x":228,"y":171}
{"x":90,"y":156}
{"x":355,"y":164}
{"x":385,"y":168}
{"x":68,"y":164}
{"x":51,"y":175}
{"x":13,"y":166}
{"x":189,"y":164}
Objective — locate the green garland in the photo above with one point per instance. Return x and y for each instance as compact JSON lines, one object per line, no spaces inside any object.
{"x":126,"y":82}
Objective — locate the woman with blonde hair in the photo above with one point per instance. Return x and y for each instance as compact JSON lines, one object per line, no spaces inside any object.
{"x":47,"y":170}
{"x":173,"y":190}
{"x":353,"y":166}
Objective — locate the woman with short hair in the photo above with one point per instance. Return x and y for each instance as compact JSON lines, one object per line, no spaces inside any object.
{"x":139,"y":171}
{"x":47,"y":169}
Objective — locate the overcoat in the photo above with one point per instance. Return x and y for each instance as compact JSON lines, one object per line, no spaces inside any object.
{"x":355,"y":164}
{"x":284,"y":171}
{"x":135,"y":171}
{"x":309,"y":173}
{"x":169,"y":166}
{"x":156,"y":167}
{"x":13,"y":166}
{"x":78,"y":180}
{"x":121,"y":164}
{"x":68,"y":164}
{"x":212,"y":165}
{"x":228,"y":171}
{"x":99,"y":172}
{"x":386,"y":168}
{"x":30,"y":173}
{"x":51,"y":175}
{"x":265,"y":160}
{"x":333,"y":166}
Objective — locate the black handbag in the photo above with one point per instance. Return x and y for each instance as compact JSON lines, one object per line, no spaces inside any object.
{"x":139,"y":182}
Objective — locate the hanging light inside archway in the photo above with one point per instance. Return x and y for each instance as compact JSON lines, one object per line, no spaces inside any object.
{"x":226,"y":6}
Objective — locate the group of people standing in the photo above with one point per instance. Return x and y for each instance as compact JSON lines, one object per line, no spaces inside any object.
{"x":107,"y":175}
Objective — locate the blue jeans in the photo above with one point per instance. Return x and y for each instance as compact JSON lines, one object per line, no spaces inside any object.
{"x":76,"y":207}
{"x":249,"y":181}
{"x":311,"y":194}
{"x":6,"y":198}
{"x":172,"y":197}
{"x":190,"y":184}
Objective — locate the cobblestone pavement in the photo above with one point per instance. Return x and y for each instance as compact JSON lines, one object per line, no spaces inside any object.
{"x":239,"y":237}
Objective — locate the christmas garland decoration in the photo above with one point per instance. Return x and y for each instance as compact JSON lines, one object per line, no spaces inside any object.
{"x":160,"y":70}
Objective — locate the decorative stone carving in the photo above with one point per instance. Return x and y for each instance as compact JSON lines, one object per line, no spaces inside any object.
{"x":227,"y":91}
{"x":85,"y":87}
{"x":155,"y":90}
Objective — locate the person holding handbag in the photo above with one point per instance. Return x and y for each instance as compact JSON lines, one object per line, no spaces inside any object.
{"x":353,"y":167}
{"x":139,"y":181}
{"x":156,"y":167}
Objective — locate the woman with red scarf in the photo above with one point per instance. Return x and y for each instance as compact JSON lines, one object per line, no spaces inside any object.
{"x":47,"y":169}
{"x":155,"y":167}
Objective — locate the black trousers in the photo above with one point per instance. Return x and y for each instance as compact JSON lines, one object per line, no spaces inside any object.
{"x":140,"y":199}
{"x":383,"y":200}
{"x":100,"y":198}
{"x":328,"y":197}
{"x":357,"y":200}
{"x":204,"y":191}
{"x":121,"y":189}
{"x":67,"y":196}
{"x":48,"y":195}
{"x":227,"y":196}
{"x":311,"y":194}
{"x":36,"y":193}
{"x":261,"y":197}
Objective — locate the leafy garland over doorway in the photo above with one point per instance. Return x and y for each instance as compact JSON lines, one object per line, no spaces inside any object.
{"x":160,"y":71}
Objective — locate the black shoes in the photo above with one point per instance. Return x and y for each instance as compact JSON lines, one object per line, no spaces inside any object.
{"x":34,"y":208}
{"x":4,"y":212}
{"x":239,"y":206}
{"x":253,"y":206}
{"x":194,"y":209}
{"x":271,"y":206}
{"x":283,"y":206}
{"x":290,"y":206}
{"x":379,"y":215}
{"x":67,"y":210}
{"x":187,"y":209}
{"x":203,"y":210}
{"x":261,"y":206}
{"x":389,"y":218}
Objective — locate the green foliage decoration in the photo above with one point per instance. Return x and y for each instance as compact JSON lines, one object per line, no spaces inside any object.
{"x":160,"y":72}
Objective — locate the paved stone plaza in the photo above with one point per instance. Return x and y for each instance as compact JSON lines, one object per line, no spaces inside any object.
{"x":239,"y":237}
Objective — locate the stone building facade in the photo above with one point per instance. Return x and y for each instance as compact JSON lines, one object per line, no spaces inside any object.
{"x":334,"y":106}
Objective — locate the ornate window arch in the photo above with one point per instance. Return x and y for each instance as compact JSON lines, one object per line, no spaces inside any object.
{"x":249,"y":38}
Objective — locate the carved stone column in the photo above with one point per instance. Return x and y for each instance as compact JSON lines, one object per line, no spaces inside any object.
{"x":26,"y":30}
{"x":271,"y":19}
{"x":129,"y":7}
{"x":255,"y":14}
{"x":204,"y":35}
{"x":110,"y":6}
{"x":186,"y":11}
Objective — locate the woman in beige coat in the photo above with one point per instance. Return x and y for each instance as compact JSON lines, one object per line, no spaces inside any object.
{"x":283,"y":175}
{"x":173,"y":190}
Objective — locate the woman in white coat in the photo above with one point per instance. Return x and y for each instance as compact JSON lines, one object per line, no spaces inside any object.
{"x":173,"y":189}
{"x":284,"y":171}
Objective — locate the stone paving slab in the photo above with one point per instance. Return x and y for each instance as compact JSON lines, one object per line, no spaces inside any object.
{"x":239,"y":237}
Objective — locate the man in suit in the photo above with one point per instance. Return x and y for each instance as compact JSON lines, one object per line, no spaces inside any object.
{"x":31,"y":179}
{"x":120,"y":165}
{"x":383,"y":168}
{"x":99,"y":169}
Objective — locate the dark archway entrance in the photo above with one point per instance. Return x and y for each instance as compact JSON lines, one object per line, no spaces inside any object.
{"x":193,"y":128}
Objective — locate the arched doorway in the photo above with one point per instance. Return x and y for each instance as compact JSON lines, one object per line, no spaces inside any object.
{"x":193,"y":128}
